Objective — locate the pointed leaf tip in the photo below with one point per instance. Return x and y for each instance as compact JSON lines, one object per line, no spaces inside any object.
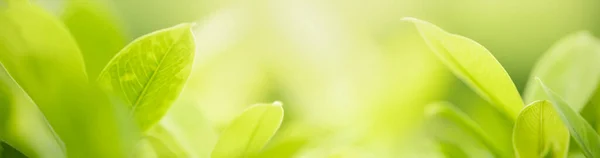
{"x":474,"y":65}
{"x":409,"y":19}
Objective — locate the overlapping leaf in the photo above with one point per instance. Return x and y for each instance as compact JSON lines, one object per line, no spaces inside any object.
{"x":539,"y":132}
{"x":571,"y":68}
{"x":582,"y":132}
{"x":96,"y":31}
{"x":40,"y":55}
{"x":474,"y":65}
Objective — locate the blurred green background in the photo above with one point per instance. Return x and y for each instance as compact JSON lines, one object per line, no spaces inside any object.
{"x":353,"y":78}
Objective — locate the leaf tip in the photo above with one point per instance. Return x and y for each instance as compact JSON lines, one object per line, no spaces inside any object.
{"x":277,"y":103}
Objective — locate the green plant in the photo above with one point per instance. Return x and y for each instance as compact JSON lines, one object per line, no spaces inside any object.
{"x":54,"y":106}
{"x":572,"y":71}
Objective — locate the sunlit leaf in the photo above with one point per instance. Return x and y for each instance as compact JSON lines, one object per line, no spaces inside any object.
{"x":96,"y":31}
{"x":446,"y":111}
{"x":582,"y":132}
{"x":149,"y":73}
{"x":250,"y":131}
{"x":474,"y":65}
{"x":570,"y":68}
{"x":22,"y":125}
{"x":40,"y":55}
{"x":539,"y":131}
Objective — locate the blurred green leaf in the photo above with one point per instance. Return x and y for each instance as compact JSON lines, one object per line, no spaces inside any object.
{"x":164,"y":143}
{"x":22,"y":125}
{"x":41,"y":56}
{"x":474,"y":65}
{"x":188,"y":129}
{"x":451,"y":150}
{"x":582,"y":132}
{"x":96,"y":31}
{"x":539,"y":131}
{"x":249,"y":132}
{"x":594,"y":104}
{"x":570,"y":68}
{"x":285,"y":148}
{"x":447,"y":111}
{"x":149,"y":73}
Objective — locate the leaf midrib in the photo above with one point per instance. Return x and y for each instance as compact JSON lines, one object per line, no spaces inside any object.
{"x":152,"y":77}
{"x":541,"y":130}
{"x":253,"y":134}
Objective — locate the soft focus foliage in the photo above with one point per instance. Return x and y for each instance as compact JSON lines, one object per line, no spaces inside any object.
{"x":133,"y":78}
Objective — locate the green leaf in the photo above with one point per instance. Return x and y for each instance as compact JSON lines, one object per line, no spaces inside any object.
{"x":287,"y":148}
{"x":447,"y":111}
{"x":582,"y":132}
{"x":43,"y":59}
{"x":186,"y":126}
{"x":10,"y":152}
{"x":149,"y":73}
{"x":570,"y":68}
{"x":165,"y":144}
{"x":249,"y":132}
{"x":474,"y":65}
{"x":96,"y":31}
{"x":451,"y":150}
{"x":22,"y":125}
{"x":539,"y":131}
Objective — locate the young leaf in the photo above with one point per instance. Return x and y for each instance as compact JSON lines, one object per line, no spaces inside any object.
{"x":474,"y":65}
{"x":570,"y":68}
{"x":249,"y":132}
{"x":447,"y":111}
{"x":40,"y":55}
{"x":582,"y":132}
{"x":96,"y":32}
{"x":149,"y":73}
{"x":539,"y":131}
